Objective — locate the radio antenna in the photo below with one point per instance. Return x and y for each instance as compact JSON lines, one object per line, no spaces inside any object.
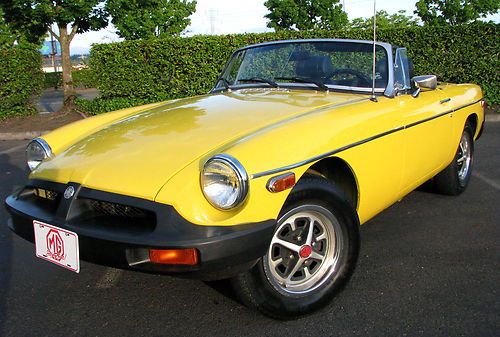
{"x":374,"y":98}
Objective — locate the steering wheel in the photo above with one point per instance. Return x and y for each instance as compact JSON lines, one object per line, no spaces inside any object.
{"x":358,"y":74}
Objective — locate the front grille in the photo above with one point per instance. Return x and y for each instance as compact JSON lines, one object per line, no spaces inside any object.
{"x":112,"y":209}
{"x":118,"y":217}
{"x":84,"y":211}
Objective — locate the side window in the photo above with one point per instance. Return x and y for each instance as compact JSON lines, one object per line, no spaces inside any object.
{"x":401,"y":70}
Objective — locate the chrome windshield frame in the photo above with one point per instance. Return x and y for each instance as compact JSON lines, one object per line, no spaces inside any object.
{"x":388,"y":91}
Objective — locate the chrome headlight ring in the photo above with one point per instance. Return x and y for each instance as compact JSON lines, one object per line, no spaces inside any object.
{"x":224,"y":182}
{"x":37,"y":151}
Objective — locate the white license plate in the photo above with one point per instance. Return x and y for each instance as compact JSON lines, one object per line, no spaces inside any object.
{"x":57,"y":245}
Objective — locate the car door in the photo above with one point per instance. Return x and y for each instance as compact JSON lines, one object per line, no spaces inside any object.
{"x":428,"y":130}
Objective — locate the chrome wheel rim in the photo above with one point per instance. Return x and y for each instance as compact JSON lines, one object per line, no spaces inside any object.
{"x":305,"y":250}
{"x":464,"y":158}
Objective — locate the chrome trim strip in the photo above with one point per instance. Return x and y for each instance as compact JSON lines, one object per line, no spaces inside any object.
{"x":324,"y":155}
{"x":343,"y":148}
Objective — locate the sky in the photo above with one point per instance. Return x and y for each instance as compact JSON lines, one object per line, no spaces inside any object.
{"x":241,"y":16}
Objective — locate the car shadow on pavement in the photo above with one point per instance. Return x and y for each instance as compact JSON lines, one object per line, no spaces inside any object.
{"x":225,"y":288}
{"x":8,"y":173}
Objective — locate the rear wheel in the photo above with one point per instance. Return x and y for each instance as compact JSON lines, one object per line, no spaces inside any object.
{"x":312,"y":253}
{"x":454,"y":179}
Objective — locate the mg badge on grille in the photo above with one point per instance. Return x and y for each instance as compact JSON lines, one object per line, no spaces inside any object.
{"x":69,"y":192}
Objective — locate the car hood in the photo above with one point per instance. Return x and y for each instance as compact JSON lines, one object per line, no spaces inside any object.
{"x":137,"y":155}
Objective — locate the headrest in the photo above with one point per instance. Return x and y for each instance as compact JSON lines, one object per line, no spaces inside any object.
{"x":314,"y":67}
{"x":381,"y":73}
{"x":381,"y":69}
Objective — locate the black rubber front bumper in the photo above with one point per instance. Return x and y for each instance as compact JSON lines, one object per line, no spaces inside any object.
{"x":117,"y":230}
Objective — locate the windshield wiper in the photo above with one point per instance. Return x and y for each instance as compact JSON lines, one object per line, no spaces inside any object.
{"x":259,"y":79}
{"x":225,"y":82}
{"x":320,"y":85}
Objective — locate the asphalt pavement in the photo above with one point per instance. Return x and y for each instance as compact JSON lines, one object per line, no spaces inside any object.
{"x":429,"y":266}
{"x":51,"y":100}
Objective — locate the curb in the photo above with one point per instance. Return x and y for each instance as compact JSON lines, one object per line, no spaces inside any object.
{"x":21,"y":135}
{"x":492,"y":118}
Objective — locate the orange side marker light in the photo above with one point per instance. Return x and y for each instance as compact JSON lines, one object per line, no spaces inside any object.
{"x":281,"y":182}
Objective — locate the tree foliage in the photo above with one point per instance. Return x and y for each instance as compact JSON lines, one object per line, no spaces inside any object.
{"x":454,"y":12}
{"x":305,"y":14}
{"x":7,"y":37}
{"x":384,"y":20}
{"x":35,"y":17}
{"x":143,"y":19}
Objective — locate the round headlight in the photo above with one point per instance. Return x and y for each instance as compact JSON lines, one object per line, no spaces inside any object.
{"x":37,"y":151}
{"x":224,"y":182}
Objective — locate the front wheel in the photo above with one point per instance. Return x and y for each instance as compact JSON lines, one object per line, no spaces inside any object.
{"x":454,"y":179}
{"x":312,"y":253}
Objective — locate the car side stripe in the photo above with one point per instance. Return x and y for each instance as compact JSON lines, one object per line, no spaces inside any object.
{"x":346,"y":147}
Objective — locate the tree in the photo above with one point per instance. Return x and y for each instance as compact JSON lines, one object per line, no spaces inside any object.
{"x":36,"y":17}
{"x":454,"y":12}
{"x":143,"y":19}
{"x":384,"y":20}
{"x":305,"y":14}
{"x":7,"y":37}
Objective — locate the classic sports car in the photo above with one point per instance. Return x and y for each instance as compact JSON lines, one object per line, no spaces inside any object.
{"x":264,"y":180}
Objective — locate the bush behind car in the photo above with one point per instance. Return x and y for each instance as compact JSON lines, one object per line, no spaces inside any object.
{"x":133,"y":72}
{"x":21,"y":78}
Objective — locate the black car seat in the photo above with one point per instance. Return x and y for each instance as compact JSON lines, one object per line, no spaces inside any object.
{"x":314,"y":67}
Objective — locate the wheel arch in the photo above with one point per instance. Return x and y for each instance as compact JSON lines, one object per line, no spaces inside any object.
{"x":338,"y":172}
{"x":473,"y":121}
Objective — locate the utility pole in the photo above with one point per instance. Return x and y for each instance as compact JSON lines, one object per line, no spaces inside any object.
{"x":53,"y":57}
{"x":212,"y":13}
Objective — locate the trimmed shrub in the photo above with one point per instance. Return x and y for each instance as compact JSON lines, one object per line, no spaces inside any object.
{"x":160,"y":69}
{"x":21,"y":78}
{"x":100,"y":105}
{"x":82,"y":79}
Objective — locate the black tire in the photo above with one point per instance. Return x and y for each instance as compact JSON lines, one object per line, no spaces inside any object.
{"x":454,"y":179}
{"x":329,"y":209}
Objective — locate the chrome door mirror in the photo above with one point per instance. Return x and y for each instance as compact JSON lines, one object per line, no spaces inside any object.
{"x":424,"y":83}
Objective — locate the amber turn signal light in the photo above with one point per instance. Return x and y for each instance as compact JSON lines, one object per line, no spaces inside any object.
{"x":281,"y":182}
{"x":174,"y":256}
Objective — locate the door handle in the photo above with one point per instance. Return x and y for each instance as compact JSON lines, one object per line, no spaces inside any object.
{"x":446,"y":100}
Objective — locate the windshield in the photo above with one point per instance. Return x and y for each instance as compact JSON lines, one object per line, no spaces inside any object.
{"x":319,"y":65}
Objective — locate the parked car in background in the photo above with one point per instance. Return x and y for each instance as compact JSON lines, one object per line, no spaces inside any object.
{"x":264,"y":180}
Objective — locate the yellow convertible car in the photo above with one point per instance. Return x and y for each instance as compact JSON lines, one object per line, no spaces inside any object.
{"x":264,"y":180}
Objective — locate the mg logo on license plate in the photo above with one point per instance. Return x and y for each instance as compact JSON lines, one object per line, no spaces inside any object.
{"x":57,"y":245}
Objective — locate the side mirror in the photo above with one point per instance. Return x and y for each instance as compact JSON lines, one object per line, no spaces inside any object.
{"x":423,"y":83}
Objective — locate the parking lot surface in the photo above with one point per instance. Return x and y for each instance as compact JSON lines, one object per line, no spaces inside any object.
{"x":429,"y":266}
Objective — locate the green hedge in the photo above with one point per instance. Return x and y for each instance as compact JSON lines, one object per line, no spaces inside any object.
{"x":21,"y":78}
{"x":154,"y":70}
{"x":82,"y":79}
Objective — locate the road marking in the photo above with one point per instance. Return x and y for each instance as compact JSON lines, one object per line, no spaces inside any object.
{"x":109,"y":279}
{"x":487,"y":180}
{"x":13,"y":149}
